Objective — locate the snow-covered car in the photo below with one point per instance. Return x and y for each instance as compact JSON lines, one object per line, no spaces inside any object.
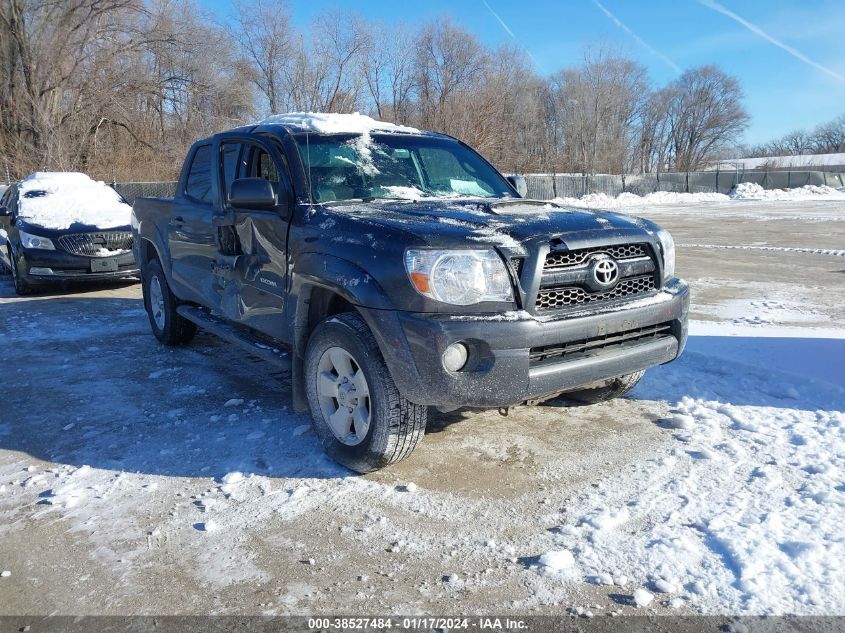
{"x":58,"y":226}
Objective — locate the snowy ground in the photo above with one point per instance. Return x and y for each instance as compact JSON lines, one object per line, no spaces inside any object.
{"x":139,"y":479}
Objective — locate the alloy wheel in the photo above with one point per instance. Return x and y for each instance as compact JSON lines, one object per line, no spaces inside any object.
{"x":344,"y":396}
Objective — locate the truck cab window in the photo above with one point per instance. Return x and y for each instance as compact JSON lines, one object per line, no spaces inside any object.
{"x":229,"y":154}
{"x":198,"y":184}
{"x":260,"y":164}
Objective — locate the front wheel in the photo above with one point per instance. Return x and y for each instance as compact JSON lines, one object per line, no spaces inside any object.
{"x":168,"y":326}
{"x":21,"y":281}
{"x":362,"y":420}
{"x":610,"y":390}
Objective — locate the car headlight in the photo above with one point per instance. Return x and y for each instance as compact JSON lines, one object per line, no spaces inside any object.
{"x":459,"y":277}
{"x":667,"y":245}
{"x":36,"y":241}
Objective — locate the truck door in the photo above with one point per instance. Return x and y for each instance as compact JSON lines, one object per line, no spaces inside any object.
{"x":192,"y":235}
{"x":255,"y":252}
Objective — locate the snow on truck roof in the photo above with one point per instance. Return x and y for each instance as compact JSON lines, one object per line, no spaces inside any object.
{"x":323,"y":123}
{"x":58,"y":200}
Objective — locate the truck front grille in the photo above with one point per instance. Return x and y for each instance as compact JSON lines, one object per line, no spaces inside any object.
{"x":571,"y":296}
{"x":592,"y":345}
{"x":566,"y":259}
{"x":566,"y":280}
{"x":100,"y":244}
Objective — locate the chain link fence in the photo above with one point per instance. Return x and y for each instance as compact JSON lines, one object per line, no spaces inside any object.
{"x":548,"y":186}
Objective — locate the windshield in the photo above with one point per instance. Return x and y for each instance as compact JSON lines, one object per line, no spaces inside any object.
{"x":393,"y":166}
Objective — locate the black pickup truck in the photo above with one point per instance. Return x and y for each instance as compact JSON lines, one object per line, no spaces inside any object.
{"x":391,"y":270}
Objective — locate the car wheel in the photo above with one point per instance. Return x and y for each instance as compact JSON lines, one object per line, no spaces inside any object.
{"x":612,"y":389}
{"x":22,"y":285}
{"x":168,"y":326}
{"x":362,"y":420}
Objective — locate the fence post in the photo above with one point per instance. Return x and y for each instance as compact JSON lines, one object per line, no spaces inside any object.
{"x":789,"y":178}
{"x":554,"y":184}
{"x":686,"y":182}
{"x":716,"y":188}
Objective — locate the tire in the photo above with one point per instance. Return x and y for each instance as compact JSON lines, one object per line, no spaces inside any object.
{"x":612,"y":389}
{"x":160,"y":303}
{"x":372,"y":431}
{"x":22,"y":285}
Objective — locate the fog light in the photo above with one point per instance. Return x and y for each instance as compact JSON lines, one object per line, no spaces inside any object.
{"x":40,"y":271}
{"x":455,"y":357}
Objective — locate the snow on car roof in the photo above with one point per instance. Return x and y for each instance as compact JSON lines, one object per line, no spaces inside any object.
{"x":325,"y":123}
{"x":58,"y":200}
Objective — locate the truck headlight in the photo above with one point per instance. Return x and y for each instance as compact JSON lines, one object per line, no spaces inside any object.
{"x":459,"y":277}
{"x":36,"y":241}
{"x":667,"y":245}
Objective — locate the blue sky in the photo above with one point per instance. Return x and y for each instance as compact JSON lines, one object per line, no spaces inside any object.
{"x":785,"y":89}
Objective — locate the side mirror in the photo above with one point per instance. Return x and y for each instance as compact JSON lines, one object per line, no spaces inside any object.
{"x":252,"y":193}
{"x":520,"y":184}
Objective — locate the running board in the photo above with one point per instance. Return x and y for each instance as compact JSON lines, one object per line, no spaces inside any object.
{"x":237,"y":336}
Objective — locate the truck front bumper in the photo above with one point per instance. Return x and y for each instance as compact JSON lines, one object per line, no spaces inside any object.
{"x":42,"y":265}
{"x":518,"y":357}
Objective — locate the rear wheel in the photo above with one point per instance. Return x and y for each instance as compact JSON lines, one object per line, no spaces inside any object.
{"x":21,"y":281}
{"x":362,"y":420}
{"x":168,"y":326}
{"x":612,"y":389}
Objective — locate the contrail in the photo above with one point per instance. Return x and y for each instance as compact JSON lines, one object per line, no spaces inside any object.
{"x":501,"y":21}
{"x":712,"y":4}
{"x":508,"y":30}
{"x":637,"y":38}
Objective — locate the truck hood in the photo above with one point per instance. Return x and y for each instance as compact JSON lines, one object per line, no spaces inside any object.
{"x":509,"y":224}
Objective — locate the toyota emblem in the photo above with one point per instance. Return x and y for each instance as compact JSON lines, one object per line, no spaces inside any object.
{"x":605,"y":272}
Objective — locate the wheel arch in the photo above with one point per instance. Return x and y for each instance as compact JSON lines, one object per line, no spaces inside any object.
{"x":322,"y":286}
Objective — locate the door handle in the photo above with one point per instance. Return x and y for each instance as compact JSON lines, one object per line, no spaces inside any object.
{"x":178,"y":221}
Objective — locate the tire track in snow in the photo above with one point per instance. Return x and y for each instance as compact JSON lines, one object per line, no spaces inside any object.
{"x":781,"y":249}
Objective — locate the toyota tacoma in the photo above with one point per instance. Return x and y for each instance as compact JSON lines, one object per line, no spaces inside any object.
{"x":391,"y":270}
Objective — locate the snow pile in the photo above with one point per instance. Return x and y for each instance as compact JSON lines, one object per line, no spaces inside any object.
{"x":58,"y":200}
{"x":742,"y":511}
{"x":753,"y":191}
{"x":627,"y":200}
{"x":642,"y":598}
{"x":558,"y":563}
{"x":322,"y":123}
{"x":743,"y":191}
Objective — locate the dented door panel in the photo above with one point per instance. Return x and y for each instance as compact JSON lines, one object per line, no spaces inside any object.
{"x":253,"y":293}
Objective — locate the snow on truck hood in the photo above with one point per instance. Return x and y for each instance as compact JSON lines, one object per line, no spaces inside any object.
{"x":498,"y":223}
{"x":323,"y":123}
{"x":59,"y":200}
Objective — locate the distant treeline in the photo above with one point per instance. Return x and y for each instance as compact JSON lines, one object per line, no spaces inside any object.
{"x":828,"y":138}
{"x":120,"y":88}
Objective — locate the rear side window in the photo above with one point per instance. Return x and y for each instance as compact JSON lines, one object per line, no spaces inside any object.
{"x":198,"y":185}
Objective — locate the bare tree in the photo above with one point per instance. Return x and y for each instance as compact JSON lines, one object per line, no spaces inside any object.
{"x":705,"y":111}
{"x":267,"y":40}
{"x":448,"y":63}
{"x":387,"y":68}
{"x":120,"y":88}
{"x":829,"y":138}
{"x":599,"y":103}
